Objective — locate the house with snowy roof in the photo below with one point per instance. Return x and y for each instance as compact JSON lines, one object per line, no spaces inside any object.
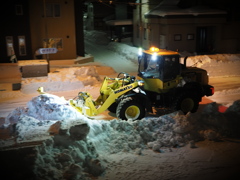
{"x":175,"y":26}
{"x":29,"y":25}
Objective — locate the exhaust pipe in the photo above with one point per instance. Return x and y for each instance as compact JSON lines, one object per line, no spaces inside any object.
{"x":185,"y":62}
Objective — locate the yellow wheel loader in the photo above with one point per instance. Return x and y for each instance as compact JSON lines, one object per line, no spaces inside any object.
{"x":121,"y":95}
{"x":163,"y":82}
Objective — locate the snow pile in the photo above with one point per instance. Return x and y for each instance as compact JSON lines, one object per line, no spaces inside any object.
{"x":69,"y":154}
{"x":47,"y":109}
{"x":224,"y":124}
{"x":124,"y":50}
{"x":225,"y":57}
{"x":76,"y":160}
{"x":50,"y":107}
{"x":198,"y":61}
{"x":217,"y":64}
{"x":76,"y":147}
{"x":216,"y":57}
{"x":30,"y":129}
{"x":62,"y":79}
{"x":97,"y":37}
{"x":133,"y":136}
{"x":43,"y":107}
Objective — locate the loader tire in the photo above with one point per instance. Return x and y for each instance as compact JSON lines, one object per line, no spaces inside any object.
{"x":113,"y":107}
{"x":129,"y":108}
{"x":186,"y":102}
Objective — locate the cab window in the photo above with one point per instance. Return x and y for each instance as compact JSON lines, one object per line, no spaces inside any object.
{"x":171,"y":67}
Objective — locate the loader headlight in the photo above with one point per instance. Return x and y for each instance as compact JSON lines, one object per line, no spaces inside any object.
{"x":141,"y":83}
{"x":154,"y":56}
{"x":139,"y":51}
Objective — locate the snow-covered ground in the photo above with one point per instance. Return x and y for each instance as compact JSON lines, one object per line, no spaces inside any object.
{"x":202,"y":145}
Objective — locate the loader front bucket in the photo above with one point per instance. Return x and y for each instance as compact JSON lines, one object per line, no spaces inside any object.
{"x":73,"y":104}
{"x":84,"y":104}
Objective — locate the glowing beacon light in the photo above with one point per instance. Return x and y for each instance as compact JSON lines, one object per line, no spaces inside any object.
{"x":140,"y":51}
{"x":154,"y":49}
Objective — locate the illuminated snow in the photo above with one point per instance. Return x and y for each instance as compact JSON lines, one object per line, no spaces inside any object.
{"x":74,"y":145}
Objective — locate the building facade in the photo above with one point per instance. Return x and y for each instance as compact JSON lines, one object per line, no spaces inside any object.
{"x":30,"y":25}
{"x":195,"y":28}
{"x":15,"y":35}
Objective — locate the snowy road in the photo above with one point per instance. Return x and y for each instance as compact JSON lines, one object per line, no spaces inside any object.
{"x":109,"y":58}
{"x":227,"y":89}
{"x":225,"y":83}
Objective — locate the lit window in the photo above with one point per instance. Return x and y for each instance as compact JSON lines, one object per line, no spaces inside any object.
{"x":22,"y":45}
{"x":9,"y":45}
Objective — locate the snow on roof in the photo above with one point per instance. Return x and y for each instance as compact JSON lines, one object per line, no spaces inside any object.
{"x":32,"y":62}
{"x":163,"y":10}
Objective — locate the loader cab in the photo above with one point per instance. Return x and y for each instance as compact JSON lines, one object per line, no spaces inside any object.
{"x":158,"y":64}
{"x":159,"y":69}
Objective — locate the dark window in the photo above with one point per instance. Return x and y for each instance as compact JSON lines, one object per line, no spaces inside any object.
{"x":53,"y":10}
{"x":177,"y":37}
{"x":138,"y":31}
{"x":18,"y":9}
{"x":171,"y":67}
{"x":145,"y":33}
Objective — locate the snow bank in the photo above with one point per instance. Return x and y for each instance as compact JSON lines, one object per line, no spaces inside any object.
{"x":62,"y":79}
{"x":75,"y":147}
{"x":133,"y":136}
{"x":97,"y":37}
{"x":78,"y":161}
{"x":128,"y":52}
{"x":44,"y":107}
{"x":30,"y":129}
{"x":217,"y":65}
{"x":220,"y":124}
